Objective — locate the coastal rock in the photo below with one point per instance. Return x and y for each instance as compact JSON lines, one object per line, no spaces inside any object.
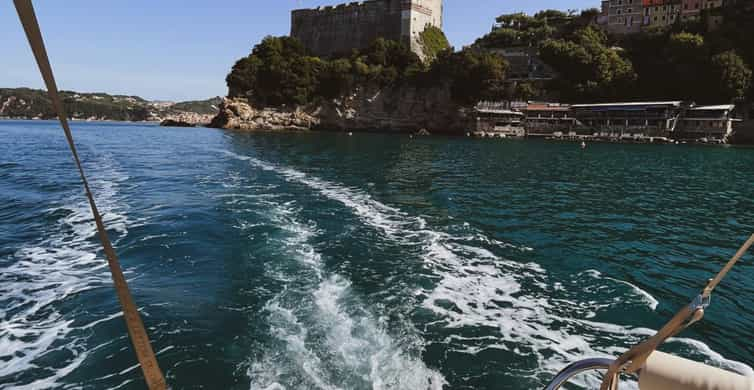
{"x":187,"y":119}
{"x":406,"y":109}
{"x":175,"y":123}
{"x":238,"y":114}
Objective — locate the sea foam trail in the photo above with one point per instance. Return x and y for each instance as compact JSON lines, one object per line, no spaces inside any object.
{"x":40,"y":276}
{"x":329,"y":341}
{"x":479,"y":289}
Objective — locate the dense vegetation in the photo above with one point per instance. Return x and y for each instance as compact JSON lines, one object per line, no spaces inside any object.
{"x":33,"y":103}
{"x":685,"y":61}
{"x":433,"y":42}
{"x":280,"y":72}
{"x":204,"y":107}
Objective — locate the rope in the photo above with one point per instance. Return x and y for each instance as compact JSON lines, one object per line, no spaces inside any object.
{"x":635,"y":358}
{"x":152,"y":373}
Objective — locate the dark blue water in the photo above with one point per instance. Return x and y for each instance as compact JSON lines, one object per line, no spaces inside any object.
{"x":321,"y":261}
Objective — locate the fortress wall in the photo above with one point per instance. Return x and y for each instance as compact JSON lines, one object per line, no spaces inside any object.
{"x":326,"y":31}
{"x":339,"y":29}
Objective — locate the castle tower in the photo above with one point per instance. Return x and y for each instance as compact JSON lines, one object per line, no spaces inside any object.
{"x":336,"y":30}
{"x":416,"y":15}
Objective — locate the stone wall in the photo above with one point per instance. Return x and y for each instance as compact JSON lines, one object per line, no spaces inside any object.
{"x":333,"y":30}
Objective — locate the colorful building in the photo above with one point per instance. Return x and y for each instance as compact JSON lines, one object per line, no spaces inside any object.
{"x":661,"y":13}
{"x":623,"y":16}
{"x":620,"y":16}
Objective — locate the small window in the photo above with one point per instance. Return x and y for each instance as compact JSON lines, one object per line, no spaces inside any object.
{"x":630,"y":10}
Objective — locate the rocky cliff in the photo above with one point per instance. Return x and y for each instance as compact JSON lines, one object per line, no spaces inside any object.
{"x":405,"y":109}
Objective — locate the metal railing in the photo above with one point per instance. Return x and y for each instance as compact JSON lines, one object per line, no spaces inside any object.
{"x":577,"y":368}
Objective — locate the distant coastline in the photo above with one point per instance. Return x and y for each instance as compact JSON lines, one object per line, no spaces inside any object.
{"x":25,"y":103}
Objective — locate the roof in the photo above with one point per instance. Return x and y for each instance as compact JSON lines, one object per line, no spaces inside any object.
{"x":499,"y":111}
{"x":546,"y":107}
{"x":710,"y":108}
{"x":629,"y":104}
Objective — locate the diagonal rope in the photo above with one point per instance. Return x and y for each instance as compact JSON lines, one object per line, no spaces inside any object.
{"x":634,"y":359}
{"x":152,"y":373}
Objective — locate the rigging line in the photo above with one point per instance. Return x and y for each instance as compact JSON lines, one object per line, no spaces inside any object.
{"x":144,"y":352}
{"x":634,"y":359}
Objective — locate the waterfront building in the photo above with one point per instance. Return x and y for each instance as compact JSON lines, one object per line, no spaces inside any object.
{"x":549,"y":119}
{"x":497,"y":119}
{"x":706,"y":122}
{"x":636,"y":120}
{"x":332,"y":30}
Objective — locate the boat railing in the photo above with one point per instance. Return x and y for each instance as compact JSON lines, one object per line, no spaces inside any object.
{"x":577,"y":368}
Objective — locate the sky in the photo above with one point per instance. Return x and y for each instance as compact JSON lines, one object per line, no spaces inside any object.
{"x":183,"y":49}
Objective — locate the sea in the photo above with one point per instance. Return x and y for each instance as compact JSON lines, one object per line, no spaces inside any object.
{"x":372,"y":261}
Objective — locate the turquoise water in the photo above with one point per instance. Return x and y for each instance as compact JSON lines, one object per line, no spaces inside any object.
{"x":322,"y":261}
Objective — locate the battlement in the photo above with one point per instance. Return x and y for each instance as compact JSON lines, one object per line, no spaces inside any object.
{"x":331,"y":30}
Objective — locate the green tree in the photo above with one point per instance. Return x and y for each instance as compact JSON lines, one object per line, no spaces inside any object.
{"x":433,"y":41}
{"x":472,"y":75}
{"x":588,"y":69}
{"x":731,"y":75}
{"x":277,"y":72}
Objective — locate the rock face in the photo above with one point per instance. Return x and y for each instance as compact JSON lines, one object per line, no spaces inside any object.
{"x":238,"y":114}
{"x":187,"y":119}
{"x":405,"y":109}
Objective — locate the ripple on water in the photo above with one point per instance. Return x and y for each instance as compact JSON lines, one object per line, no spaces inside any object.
{"x":505,"y":305}
{"x":40,"y":277}
{"x":322,"y":335}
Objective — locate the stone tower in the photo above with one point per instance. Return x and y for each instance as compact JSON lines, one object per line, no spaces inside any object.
{"x":333,"y":30}
{"x":416,"y":15}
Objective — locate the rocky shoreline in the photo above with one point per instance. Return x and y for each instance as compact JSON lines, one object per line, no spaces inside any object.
{"x":393,"y":110}
{"x":187,"y":119}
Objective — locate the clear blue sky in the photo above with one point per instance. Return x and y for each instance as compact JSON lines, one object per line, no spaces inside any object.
{"x":182,"y":49}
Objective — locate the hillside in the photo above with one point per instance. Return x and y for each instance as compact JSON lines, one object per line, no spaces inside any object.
{"x":25,"y":103}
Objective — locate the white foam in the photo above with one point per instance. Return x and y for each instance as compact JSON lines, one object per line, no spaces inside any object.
{"x":63,"y":263}
{"x":354,"y":344}
{"x":477,"y":288}
{"x":647,"y":297}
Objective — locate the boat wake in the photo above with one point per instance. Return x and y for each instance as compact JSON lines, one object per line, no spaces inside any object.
{"x":322,"y":336}
{"x":38,"y":326}
{"x":488,"y":302}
